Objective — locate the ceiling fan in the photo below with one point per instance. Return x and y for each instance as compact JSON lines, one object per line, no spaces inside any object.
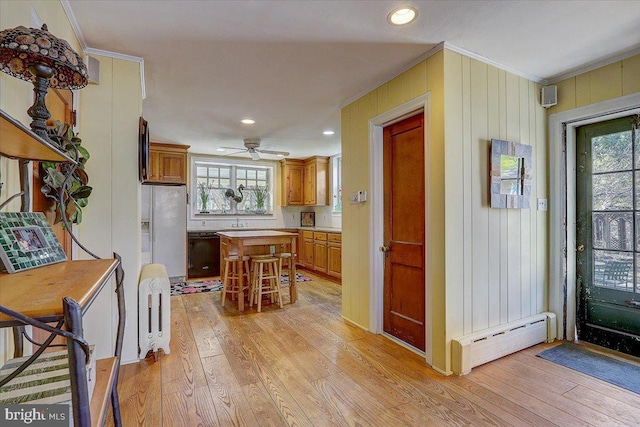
{"x":252,"y":146}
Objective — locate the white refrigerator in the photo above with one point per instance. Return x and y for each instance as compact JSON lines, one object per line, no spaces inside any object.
{"x":164,"y":228}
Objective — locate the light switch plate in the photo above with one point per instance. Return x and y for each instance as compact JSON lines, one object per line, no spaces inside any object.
{"x":542,"y":204}
{"x":353,"y":198}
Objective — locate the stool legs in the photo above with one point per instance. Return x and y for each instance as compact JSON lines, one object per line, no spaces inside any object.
{"x":232,"y":282}
{"x":225,"y":281}
{"x":265,"y":281}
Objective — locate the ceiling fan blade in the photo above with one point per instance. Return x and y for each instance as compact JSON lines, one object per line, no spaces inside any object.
{"x":234,"y":148}
{"x":235,"y":152}
{"x":281,"y":153}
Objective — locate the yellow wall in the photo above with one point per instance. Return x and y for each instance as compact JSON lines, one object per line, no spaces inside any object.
{"x":108,"y":117}
{"x":426,"y":76}
{"x":487,"y":266}
{"x":609,"y":82}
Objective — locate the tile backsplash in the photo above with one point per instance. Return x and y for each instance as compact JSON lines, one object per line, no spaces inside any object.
{"x":287,"y":216}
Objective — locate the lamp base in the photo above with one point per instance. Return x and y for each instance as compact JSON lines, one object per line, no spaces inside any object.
{"x":38,"y":111}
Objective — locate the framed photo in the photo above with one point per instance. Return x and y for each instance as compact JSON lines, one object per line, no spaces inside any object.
{"x":307,"y":219}
{"x":27,"y":241}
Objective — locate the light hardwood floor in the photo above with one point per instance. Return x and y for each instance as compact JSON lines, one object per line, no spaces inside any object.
{"x":305,"y":366}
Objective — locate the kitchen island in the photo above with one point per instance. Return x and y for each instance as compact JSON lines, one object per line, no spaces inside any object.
{"x":235,"y":242}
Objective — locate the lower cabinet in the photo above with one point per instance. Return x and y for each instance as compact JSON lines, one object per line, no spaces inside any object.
{"x":321,"y":252}
{"x":306,"y":256}
{"x":334,"y":255}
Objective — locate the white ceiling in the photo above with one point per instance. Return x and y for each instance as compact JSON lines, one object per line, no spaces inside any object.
{"x":291,"y":65}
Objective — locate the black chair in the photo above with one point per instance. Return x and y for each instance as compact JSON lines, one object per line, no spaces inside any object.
{"x":616,"y":272}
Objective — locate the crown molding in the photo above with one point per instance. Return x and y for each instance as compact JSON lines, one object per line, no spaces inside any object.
{"x":91,"y":51}
{"x":114,"y":55}
{"x":437,"y":48}
{"x":454,"y":48}
{"x":594,"y":66}
{"x":74,"y":23}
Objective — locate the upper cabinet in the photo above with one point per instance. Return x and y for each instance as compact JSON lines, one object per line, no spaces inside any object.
{"x":305,"y":182}
{"x":292,"y":177}
{"x":316,"y":181}
{"x":167,"y":164}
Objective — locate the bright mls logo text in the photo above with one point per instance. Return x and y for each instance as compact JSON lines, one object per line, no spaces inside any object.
{"x":35,"y":413}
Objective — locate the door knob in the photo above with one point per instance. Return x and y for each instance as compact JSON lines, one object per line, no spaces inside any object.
{"x":385,"y":248}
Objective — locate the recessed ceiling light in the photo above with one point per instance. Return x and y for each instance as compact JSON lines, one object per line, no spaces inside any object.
{"x":248,"y":121}
{"x":220,"y":149}
{"x":328,"y":132}
{"x":402,"y":16}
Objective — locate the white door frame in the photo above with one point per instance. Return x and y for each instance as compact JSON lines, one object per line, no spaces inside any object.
{"x":562,"y":179}
{"x":376,"y":211}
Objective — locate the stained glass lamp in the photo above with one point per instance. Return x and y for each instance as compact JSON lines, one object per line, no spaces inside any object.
{"x":39,"y":56}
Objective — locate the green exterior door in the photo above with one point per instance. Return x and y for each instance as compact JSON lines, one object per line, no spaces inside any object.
{"x":608,"y":234}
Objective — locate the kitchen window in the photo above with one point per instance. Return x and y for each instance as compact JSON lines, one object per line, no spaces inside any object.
{"x":214,"y":179}
{"x":336,"y":181}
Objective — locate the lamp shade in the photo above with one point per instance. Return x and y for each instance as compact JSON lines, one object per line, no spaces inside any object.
{"x":22,"y":47}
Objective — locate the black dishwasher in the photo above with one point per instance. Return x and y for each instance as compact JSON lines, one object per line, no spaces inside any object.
{"x":204,"y":254}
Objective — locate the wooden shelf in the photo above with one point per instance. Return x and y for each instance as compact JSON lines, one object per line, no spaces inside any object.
{"x":20,"y":142}
{"x":105,"y":376}
{"x":37,"y":293}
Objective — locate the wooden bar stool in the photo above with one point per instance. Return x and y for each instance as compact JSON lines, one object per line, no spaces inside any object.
{"x":285,"y":257}
{"x":231,"y":279}
{"x":266,"y":280}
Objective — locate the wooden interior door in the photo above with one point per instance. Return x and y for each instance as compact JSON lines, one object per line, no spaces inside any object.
{"x":404,"y":235}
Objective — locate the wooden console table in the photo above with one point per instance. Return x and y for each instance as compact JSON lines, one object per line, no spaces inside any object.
{"x":235,"y":242}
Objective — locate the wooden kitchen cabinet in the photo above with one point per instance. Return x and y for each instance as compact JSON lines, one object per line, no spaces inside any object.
{"x":306,"y":249}
{"x":305,"y":182}
{"x":320,"y":252}
{"x":316,"y":181}
{"x":167,"y":164}
{"x":292,"y":182}
{"x":334,"y":255}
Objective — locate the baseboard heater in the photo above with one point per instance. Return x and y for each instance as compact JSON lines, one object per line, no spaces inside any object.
{"x":154,"y":323}
{"x":469,"y":351}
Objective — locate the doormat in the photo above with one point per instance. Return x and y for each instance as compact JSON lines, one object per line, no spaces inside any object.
{"x":216,"y":285}
{"x":613,"y":371}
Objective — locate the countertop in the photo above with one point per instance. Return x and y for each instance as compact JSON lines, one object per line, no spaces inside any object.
{"x":325,"y":229}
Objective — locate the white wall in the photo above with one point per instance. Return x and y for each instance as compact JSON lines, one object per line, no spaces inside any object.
{"x":497,"y":267}
{"x":109,"y":114}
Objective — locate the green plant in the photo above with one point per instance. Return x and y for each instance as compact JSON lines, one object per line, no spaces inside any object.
{"x":72,"y":196}
{"x":261,"y":195}
{"x":203,"y":192}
